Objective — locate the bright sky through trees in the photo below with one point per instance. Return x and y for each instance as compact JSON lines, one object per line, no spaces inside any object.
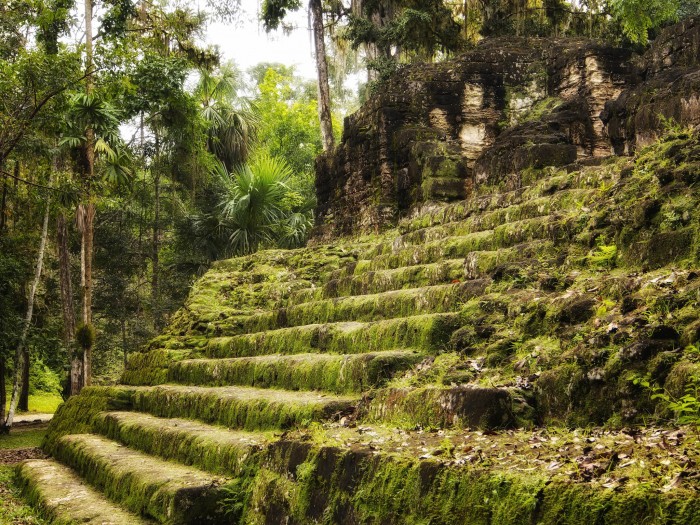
{"x":247,"y":44}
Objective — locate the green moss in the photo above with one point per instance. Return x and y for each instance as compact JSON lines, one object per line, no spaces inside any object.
{"x":442,"y":407}
{"x":239,"y":407}
{"x":164,"y":491}
{"x":213,"y":449}
{"x":429,"y":332}
{"x":78,"y":414}
{"x":332,"y":373}
{"x":64,"y":499}
{"x":336,"y":485}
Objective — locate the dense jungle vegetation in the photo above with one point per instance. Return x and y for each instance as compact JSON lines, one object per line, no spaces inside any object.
{"x":132,"y":155}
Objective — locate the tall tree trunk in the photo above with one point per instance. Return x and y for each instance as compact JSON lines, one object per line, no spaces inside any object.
{"x":125,"y":346}
{"x":66,"y":285}
{"x":89,"y":218}
{"x":3,"y":389}
{"x":23,"y":405}
{"x":86,"y":281}
{"x":324,"y":93}
{"x":155,"y":243}
{"x":155,"y":247}
{"x":19,"y":354}
{"x":3,"y":204}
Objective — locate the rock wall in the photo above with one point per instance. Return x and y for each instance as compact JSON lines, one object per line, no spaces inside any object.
{"x":436,"y":130}
{"x":668,"y":93}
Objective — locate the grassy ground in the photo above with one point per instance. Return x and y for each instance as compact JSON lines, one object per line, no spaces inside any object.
{"x":43,"y":403}
{"x":20,"y":444}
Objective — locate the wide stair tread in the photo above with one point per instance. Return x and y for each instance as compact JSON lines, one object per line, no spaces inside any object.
{"x":476,"y":220}
{"x":345,"y":373}
{"x":552,"y":228}
{"x":241,"y":407}
{"x":211,"y":448}
{"x":63,"y":496}
{"x":492,"y":199}
{"x":439,"y":298}
{"x":165,"y":491}
{"x":424,"y":331}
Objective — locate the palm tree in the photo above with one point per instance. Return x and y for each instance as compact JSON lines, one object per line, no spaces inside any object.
{"x":231,"y":121}
{"x":259,"y":207}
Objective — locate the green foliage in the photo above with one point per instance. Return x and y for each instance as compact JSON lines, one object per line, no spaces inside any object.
{"x":638,"y":17}
{"x":255,"y":203}
{"x":289,"y":127}
{"x":604,"y":256}
{"x":43,"y":379}
{"x":685,"y":408}
{"x":273,"y":12}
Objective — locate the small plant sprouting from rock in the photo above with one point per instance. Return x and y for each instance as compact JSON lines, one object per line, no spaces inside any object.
{"x":604,"y":256}
{"x":685,"y":409}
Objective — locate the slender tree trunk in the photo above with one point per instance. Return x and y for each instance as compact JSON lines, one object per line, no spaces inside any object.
{"x":23,"y":405}
{"x":66,"y":285}
{"x":19,"y":354}
{"x":88,"y":225}
{"x":3,"y":204}
{"x":155,"y":259}
{"x":324,"y":93}
{"x":3,"y":390}
{"x":125,"y":346}
{"x":86,"y":280}
{"x":155,"y":245}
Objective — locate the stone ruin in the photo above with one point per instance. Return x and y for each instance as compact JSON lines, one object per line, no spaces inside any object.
{"x":435,"y":130}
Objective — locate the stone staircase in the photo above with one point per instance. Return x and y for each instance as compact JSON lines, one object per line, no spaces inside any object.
{"x":340,"y":383}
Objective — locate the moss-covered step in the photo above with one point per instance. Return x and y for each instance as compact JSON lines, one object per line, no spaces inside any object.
{"x":167,"y":492}
{"x":558,"y":203}
{"x":374,"y":307}
{"x":151,"y":367}
{"x":430,"y":332}
{"x":65,"y":499}
{"x":240,"y":407}
{"x":486,"y":199}
{"x":442,"y":407}
{"x":476,"y":265}
{"x":211,"y":448}
{"x":417,"y":276}
{"x":376,"y":475}
{"x":327,"y":372}
{"x":552,"y":228}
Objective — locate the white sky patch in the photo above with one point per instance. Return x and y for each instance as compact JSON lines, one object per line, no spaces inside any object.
{"x":247,"y":44}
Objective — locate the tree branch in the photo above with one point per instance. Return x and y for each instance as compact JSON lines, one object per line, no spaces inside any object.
{"x":29,"y":183}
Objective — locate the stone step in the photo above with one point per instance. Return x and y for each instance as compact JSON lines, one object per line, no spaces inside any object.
{"x":164,"y":491}
{"x":488,"y":199}
{"x":560,"y":203}
{"x":557,"y":229}
{"x":342,"y":285}
{"x":429,"y":332}
{"x":151,"y":367}
{"x":239,"y":407}
{"x":476,"y":265}
{"x":62,"y":496}
{"x":211,"y":448}
{"x":439,"y":298}
{"x":328,"y":372}
{"x":442,"y":407}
